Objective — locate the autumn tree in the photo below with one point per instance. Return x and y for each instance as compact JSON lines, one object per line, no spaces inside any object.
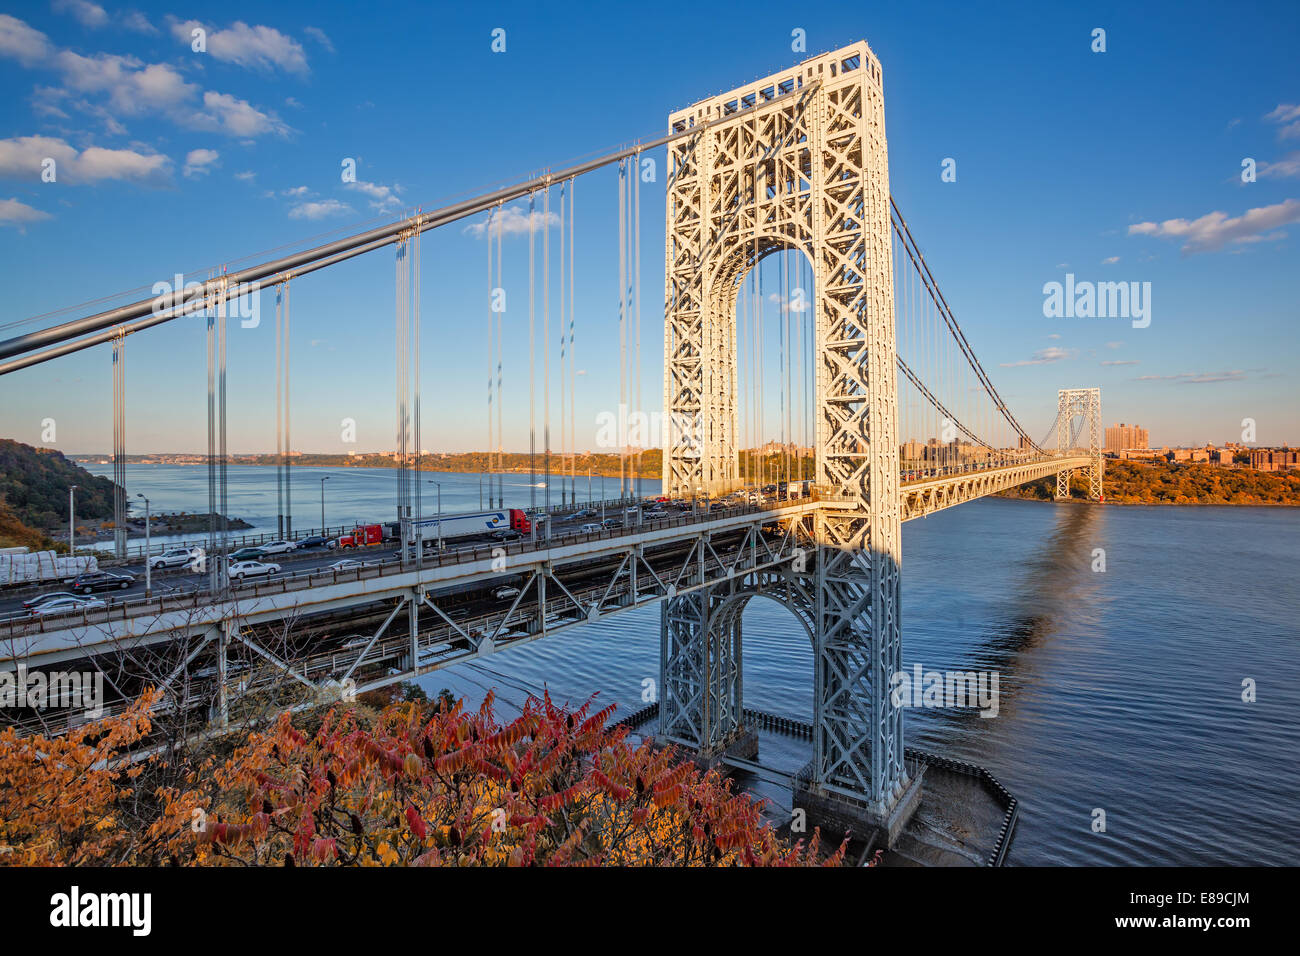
{"x":416,"y":783}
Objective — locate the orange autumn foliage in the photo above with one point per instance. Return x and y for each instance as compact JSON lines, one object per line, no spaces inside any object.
{"x":417,"y":784}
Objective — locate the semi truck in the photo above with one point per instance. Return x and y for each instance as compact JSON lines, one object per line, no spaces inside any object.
{"x":362,"y":536}
{"x":451,"y":527}
{"x":426,"y":531}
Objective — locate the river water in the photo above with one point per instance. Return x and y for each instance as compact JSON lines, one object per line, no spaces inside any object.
{"x":1120,"y":690}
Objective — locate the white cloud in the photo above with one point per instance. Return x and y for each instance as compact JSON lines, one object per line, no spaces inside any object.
{"x":89,"y":15}
{"x":317,"y":34}
{"x":138,"y":22}
{"x":1213,"y":230}
{"x":1110,"y":260}
{"x":1283,"y":169}
{"x":319,"y":209}
{"x":382,"y":198}
{"x":199,"y":161}
{"x":256,"y":48}
{"x":21,"y":42}
{"x":1121,"y":362}
{"x":1197,"y":378}
{"x":511,"y":221}
{"x":132,"y":87}
{"x":15,"y":213}
{"x":1043,"y":357}
{"x":297,"y":191}
{"x":247,"y":176}
{"x":227,"y":114}
{"x":1287,"y":117}
{"x":22,"y":156}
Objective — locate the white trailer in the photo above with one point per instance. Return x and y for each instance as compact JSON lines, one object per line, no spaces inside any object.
{"x":451,"y":527}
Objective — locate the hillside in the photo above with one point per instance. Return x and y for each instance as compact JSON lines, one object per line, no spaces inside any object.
{"x":34,"y":484}
{"x":1165,"y":483}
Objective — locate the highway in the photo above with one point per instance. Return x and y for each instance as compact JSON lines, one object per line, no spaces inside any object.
{"x":183,"y":581}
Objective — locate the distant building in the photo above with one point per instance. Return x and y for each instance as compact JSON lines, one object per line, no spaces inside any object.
{"x":1120,"y":437}
{"x":1274,"y":459}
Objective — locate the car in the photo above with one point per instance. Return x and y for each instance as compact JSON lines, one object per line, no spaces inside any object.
{"x":656,"y":513}
{"x":278,"y":547}
{"x":505,"y":592}
{"x":52,"y":596}
{"x":609,"y":523}
{"x":315,"y":541}
{"x":583,"y":513}
{"x":590,"y":529}
{"x":251,"y":569}
{"x":347,"y":564}
{"x":102,"y":581}
{"x":68,"y":604}
{"x":173,"y":558}
{"x":717,"y":506}
{"x":247,"y":554}
{"x":506,"y":534}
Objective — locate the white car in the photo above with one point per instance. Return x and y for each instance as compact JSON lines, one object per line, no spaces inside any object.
{"x":347,"y":564}
{"x":251,"y":569}
{"x":279,"y":547}
{"x":63,"y":605}
{"x":590,"y":529}
{"x":507,"y":592}
{"x":175,"y":558}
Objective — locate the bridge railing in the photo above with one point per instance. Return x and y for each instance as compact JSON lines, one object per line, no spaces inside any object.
{"x":20,"y":625}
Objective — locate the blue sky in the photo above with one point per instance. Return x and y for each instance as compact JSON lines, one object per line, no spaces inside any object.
{"x":1117,"y":166}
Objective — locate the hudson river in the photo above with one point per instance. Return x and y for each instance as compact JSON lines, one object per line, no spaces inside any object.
{"x":1119,"y":689}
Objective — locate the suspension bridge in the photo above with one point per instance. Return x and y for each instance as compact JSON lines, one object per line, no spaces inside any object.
{"x":884,"y":413}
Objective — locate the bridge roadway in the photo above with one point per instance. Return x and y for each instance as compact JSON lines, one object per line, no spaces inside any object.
{"x":579,"y":577}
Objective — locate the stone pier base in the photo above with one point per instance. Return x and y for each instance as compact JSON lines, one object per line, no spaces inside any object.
{"x":838,"y":814}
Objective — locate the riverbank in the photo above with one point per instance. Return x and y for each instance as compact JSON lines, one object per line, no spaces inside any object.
{"x":1175,"y":483}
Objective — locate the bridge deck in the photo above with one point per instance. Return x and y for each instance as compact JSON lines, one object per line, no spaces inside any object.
{"x":652,"y":546}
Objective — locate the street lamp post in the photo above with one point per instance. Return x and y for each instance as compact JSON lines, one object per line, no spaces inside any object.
{"x":148,"y":579}
{"x":72,"y":530}
{"x":322,"y":503}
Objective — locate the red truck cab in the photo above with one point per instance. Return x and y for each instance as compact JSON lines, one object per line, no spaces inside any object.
{"x":362,"y":536}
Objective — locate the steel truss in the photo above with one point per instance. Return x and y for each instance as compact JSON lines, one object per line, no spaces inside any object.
{"x":810,"y":173}
{"x":1074,"y":402}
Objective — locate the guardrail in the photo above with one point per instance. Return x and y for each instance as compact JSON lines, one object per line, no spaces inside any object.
{"x":19,"y":626}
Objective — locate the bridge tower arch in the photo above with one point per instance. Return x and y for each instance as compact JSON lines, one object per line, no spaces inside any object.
{"x":803,"y":164}
{"x":1074,"y":403}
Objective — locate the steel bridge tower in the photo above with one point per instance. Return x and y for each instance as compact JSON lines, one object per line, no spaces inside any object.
{"x":1074,"y":402}
{"x":803,"y":166}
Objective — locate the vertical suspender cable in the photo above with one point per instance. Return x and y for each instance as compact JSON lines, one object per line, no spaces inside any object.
{"x":636,"y":271}
{"x":563,"y":352}
{"x":415,"y":322}
{"x":490,"y":444}
{"x":573,"y":368}
{"x":288,"y":448}
{"x":279,"y":411}
{"x":501,"y":478}
{"x":213,"y":564}
{"x":546,"y":345}
{"x":622,"y":326}
{"x":532,"y":367}
{"x":221,"y":433}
